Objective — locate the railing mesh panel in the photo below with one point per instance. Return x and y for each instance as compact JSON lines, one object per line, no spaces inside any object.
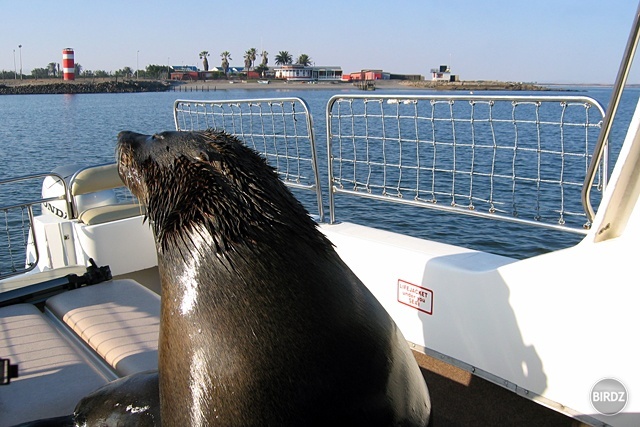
{"x":523,"y":159}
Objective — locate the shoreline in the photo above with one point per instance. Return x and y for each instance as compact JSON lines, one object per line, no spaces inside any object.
{"x":108,"y":85}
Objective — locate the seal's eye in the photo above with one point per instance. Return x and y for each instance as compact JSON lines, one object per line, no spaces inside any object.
{"x":203,"y":157}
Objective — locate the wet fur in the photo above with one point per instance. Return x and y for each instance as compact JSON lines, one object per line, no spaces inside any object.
{"x":261,"y":322}
{"x":209,"y":182}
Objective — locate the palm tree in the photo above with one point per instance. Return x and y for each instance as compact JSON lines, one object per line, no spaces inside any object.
{"x":250,"y":57}
{"x":264,"y":55}
{"x":261,"y":69}
{"x":51,"y":69}
{"x":283,"y":58}
{"x":226,"y":56}
{"x":126,"y":72}
{"x":205,"y":63}
{"x":247,"y":60}
{"x":304,"y":59}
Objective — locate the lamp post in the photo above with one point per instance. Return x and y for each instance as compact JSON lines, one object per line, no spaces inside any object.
{"x":15,"y":69}
{"x":20,"y":48}
{"x":137,"y":66}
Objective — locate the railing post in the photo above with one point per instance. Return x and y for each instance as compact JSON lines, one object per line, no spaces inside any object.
{"x":616,"y":95}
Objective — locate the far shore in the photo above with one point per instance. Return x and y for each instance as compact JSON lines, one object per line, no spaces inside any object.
{"x":377,"y":84}
{"x":86,"y":85}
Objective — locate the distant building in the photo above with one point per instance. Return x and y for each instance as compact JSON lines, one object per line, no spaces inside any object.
{"x":293,"y":72}
{"x":250,"y":74}
{"x":297,"y":72}
{"x":412,"y":77}
{"x":184,"y":68}
{"x":365,"y":75}
{"x":443,"y":74}
{"x":183,"y":72}
{"x":189,"y":72}
{"x":232,"y":70}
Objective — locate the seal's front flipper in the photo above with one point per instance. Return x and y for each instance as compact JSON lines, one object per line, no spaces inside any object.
{"x":130,"y":401}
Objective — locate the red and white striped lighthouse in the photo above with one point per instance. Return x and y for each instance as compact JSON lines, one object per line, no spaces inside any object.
{"x":68,"y":67}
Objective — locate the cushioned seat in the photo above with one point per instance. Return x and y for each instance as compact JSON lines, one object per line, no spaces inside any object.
{"x":53,"y":375}
{"x":99,"y":178}
{"x":95,"y":178}
{"x":102,"y":214}
{"x":120,"y":320}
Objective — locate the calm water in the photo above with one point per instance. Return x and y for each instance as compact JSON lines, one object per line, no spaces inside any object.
{"x":39,"y":132}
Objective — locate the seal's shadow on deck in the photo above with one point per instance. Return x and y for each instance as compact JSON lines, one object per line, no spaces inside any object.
{"x":473,"y":322}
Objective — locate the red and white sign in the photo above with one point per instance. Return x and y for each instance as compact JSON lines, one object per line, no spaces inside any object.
{"x":415,"y":296}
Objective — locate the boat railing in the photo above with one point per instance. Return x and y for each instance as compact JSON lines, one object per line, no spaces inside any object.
{"x":18,"y":222}
{"x":521,"y":159}
{"x":281,"y":129}
{"x":616,"y":97}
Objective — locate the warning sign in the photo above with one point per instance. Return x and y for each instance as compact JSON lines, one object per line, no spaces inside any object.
{"x":415,"y":296}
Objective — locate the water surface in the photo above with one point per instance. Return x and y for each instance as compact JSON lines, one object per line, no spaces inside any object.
{"x":40,"y":132}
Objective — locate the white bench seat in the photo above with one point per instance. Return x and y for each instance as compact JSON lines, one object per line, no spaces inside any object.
{"x":53,"y":374}
{"x":108,"y":213}
{"x":119,"y":320}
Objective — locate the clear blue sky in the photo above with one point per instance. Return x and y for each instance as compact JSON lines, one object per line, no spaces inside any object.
{"x":564,"y":41}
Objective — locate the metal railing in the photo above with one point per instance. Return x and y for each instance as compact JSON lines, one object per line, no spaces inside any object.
{"x":18,"y":234}
{"x":616,"y":95}
{"x":522,"y":159}
{"x":281,"y":129}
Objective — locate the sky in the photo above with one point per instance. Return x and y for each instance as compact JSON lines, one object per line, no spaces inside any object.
{"x":543,"y":41}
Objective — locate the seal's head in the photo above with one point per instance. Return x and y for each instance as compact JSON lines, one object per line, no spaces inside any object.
{"x":209,"y":179}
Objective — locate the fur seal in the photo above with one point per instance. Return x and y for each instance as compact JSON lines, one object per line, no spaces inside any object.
{"x":262,"y":323}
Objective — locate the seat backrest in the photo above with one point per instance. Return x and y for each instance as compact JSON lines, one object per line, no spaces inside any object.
{"x":93,"y":207}
{"x":96,"y":178}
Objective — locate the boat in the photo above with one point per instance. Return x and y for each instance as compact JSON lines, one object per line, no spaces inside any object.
{"x":264,"y":82}
{"x":545,"y":339}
